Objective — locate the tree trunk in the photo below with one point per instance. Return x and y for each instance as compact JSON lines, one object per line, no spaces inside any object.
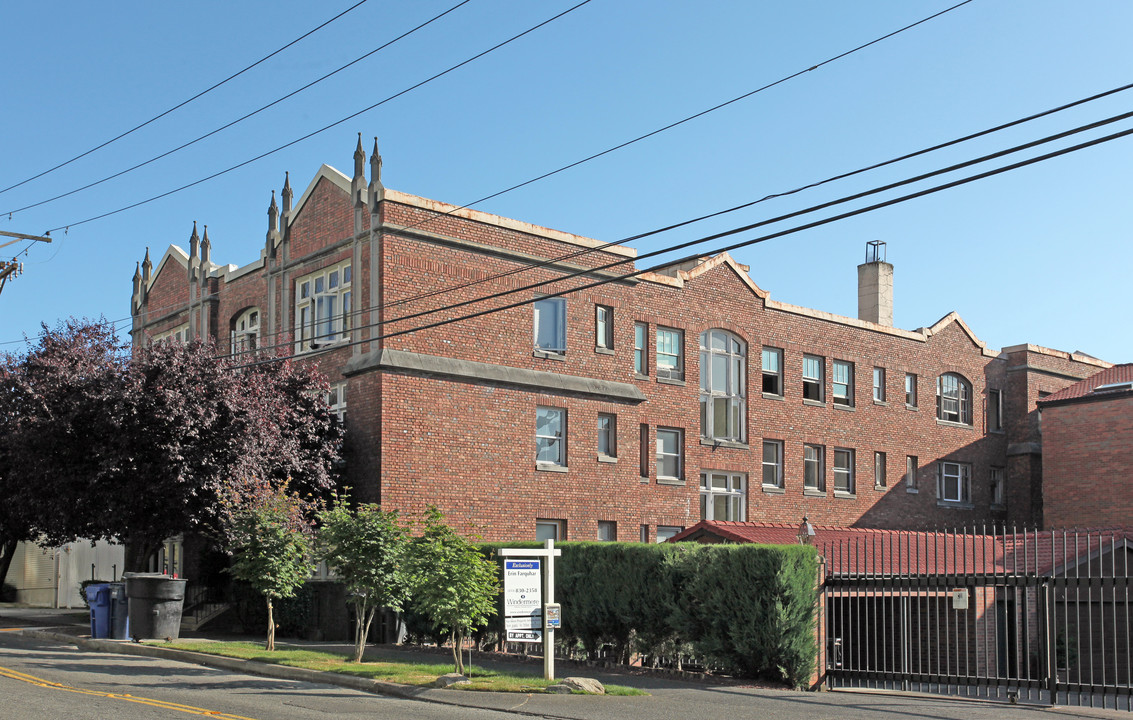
{"x":7,"y":551}
{"x":457,"y":641}
{"x":270,"y":645}
{"x":363,"y":616}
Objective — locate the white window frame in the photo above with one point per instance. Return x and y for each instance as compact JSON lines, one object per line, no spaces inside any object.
{"x":955,"y":474}
{"x":879,"y":384}
{"x":607,"y":435}
{"x":245,"y":333}
{"x":641,"y":348}
{"x":178,"y":334}
{"x":814,"y":463}
{"x":733,"y":494}
{"x":842,"y":378}
{"x":814,"y":376}
{"x":844,"y":466}
{"x":336,"y":400}
{"x":730,"y":392}
{"x":664,"y":532}
{"x":880,"y":461}
{"x":910,"y":390}
{"x":670,"y":361}
{"x":771,"y":361}
{"x":323,"y":307}
{"x":604,"y":327}
{"x":775,"y":465}
{"x":549,"y":316}
{"x":954,"y":399}
{"x":664,"y":456}
{"x":550,"y":529}
{"x":550,"y":432}
{"x":607,"y":531}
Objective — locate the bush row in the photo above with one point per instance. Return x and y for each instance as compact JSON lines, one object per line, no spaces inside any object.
{"x":749,"y":609}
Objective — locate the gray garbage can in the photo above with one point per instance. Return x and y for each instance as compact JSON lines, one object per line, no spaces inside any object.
{"x":119,"y":612}
{"x":155,"y":605}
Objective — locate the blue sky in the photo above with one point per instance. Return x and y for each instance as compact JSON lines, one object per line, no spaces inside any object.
{"x":1038,"y":255}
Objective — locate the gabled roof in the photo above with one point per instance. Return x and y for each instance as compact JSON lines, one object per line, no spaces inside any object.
{"x":1116,"y":381}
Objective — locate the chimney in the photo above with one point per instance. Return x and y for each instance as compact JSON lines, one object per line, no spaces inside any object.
{"x":875,"y":286}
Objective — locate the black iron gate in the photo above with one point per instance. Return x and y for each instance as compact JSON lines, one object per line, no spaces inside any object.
{"x":1040,"y":617}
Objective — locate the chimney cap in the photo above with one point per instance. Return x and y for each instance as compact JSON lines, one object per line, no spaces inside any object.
{"x":875,"y":251}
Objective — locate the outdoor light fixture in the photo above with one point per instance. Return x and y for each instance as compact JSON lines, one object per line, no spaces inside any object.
{"x":806,"y":532}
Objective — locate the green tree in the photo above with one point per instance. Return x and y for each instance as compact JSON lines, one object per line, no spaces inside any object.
{"x":454,"y":586}
{"x":271,"y":544}
{"x":366,"y":546}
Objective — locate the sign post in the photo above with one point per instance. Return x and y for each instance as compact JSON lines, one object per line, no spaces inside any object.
{"x":525,"y":619}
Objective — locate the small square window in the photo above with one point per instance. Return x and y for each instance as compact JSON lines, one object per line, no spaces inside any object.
{"x":814,"y":470}
{"x":910,"y":389}
{"x":723,"y":496}
{"x":773,"y":463}
{"x":670,"y":454}
{"x":879,"y":384}
{"x":843,"y":383}
{"x":772,"y":371}
{"x":640,"y":349}
{"x":670,"y":354}
{"x":550,"y":325}
{"x":604,"y":327}
{"x":547,"y":529}
{"x":608,"y":435}
{"x":664,"y":532}
{"x":607,"y":531}
{"x":813,"y":381}
{"x":843,"y":470}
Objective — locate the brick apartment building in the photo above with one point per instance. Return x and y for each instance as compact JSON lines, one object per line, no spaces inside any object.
{"x":629,"y":410}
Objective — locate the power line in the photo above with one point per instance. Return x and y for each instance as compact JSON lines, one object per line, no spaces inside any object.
{"x":746,"y":243}
{"x":185,"y":102}
{"x":238,"y":120}
{"x":326,"y":127}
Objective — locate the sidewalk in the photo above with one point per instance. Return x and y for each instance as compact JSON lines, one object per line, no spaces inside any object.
{"x":669,"y":699}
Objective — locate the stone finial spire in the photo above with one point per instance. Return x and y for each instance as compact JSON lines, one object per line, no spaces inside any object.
{"x":137,"y":278}
{"x":147,"y":266}
{"x":273,"y":214}
{"x":287,"y":194}
{"x":206,"y":247}
{"x":377,"y":190}
{"x":194,"y":242}
{"x":359,"y":158}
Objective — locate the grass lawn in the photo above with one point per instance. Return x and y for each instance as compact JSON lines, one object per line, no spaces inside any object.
{"x":404,"y":673}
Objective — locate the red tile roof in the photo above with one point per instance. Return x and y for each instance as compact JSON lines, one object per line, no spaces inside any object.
{"x":1082,"y":388}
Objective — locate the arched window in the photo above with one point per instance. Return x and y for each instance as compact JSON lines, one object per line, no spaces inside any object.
{"x":246,"y":332}
{"x":954,"y":399}
{"x":722,"y":386}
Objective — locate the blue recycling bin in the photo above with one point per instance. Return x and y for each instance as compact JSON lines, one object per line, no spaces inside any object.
{"x":98,"y":597}
{"x":119,"y":612}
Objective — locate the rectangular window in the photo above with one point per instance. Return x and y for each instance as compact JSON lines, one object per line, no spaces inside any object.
{"x":640,"y":351}
{"x":994,"y":410}
{"x":550,"y":436}
{"x":669,"y":454}
{"x":911,"y":473}
{"x":547,"y":529}
{"x":773,"y":371}
{"x":843,"y":470}
{"x":664,"y":532}
{"x":813,"y":381}
{"x":670,"y":354}
{"x":607,"y":531}
{"x":550,"y":325}
{"x":604,"y":327}
{"x":879,"y":384}
{"x":955,"y":482}
{"x":843,"y":383}
{"x":879,"y":469}
{"x":998,"y":488}
{"x":323,"y":308}
{"x":643,"y":534}
{"x":643,"y":450}
{"x":910,"y":389}
{"x":814,"y":470}
{"x":773,"y":463}
{"x":608,"y":435}
{"x":722,"y":496}
{"x":336,"y":401}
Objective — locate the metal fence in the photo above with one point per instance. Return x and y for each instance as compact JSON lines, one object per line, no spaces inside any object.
{"x":1041,"y":617}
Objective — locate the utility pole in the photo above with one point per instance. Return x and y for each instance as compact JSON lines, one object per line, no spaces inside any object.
{"x":13,"y":268}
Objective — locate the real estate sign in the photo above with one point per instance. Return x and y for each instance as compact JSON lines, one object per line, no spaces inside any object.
{"x":523,"y":600}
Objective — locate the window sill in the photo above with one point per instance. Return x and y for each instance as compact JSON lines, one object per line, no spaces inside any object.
{"x":848,"y":408}
{"x":547,"y":467}
{"x":604,"y":350}
{"x":814,"y":403}
{"x":671,"y":381}
{"x":997,"y":432}
{"x":949,"y":423}
{"x":999,"y":507}
{"x":811,"y":492}
{"x":955,"y":505}
{"x":880,"y":488}
{"x":710,"y":442}
{"x":670,"y":481}
{"x":644,"y":479}
{"x":772,"y":396}
{"x":882,"y":403}
{"x":774,"y":490}
{"x":845,"y":495}
{"x":639,"y":376}
{"x":912,"y":491}
{"x":914,"y":408}
{"x":606,"y":458}
{"x":549,"y":355}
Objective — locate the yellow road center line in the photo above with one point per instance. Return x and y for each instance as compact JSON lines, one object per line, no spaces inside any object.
{"x":163,"y":704}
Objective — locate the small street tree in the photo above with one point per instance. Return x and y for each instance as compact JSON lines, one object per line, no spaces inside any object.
{"x":366,"y":547}
{"x":271,"y":545}
{"x":454,"y":586}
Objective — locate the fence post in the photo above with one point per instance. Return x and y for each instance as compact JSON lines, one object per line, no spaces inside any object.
{"x":818,"y":678}
{"x":1047,"y":652}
